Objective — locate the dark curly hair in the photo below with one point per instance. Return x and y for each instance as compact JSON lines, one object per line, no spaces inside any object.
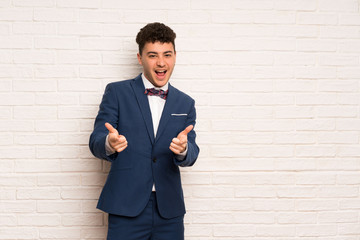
{"x":153,"y":32}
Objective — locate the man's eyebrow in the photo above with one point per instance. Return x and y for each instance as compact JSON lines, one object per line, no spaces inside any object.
{"x":158,"y":53}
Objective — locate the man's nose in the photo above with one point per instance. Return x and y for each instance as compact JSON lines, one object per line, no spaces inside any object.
{"x":160,"y":62}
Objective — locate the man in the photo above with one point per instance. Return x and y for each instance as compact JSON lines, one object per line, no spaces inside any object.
{"x":144,"y":127}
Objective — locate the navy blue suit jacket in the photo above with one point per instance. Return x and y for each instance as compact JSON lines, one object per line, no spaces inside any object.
{"x":146,"y":159}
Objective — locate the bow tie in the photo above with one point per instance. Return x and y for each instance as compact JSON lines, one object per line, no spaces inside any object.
{"x":155,"y":92}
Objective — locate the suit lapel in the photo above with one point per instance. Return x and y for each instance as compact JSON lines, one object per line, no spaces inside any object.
{"x":166,"y":114}
{"x":139,"y":89}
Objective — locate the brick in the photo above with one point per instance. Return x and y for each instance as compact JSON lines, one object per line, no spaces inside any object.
{"x":234,"y":230}
{"x":202,"y":4}
{"x":273,"y":73}
{"x":37,"y":166}
{"x":4,"y":29}
{"x":21,"y":233}
{"x":31,"y":112}
{"x":54,"y":15}
{"x":84,"y":85}
{"x":254,"y":86}
{"x":306,"y":45}
{"x":316,"y":99}
{"x":254,"y":5}
{"x":89,"y":206}
{"x":56,"y":99}
{"x":57,"y":125}
{"x":13,"y":14}
{"x":18,"y":206}
{"x":280,"y":17}
{"x":296,"y":31}
{"x":317,"y":18}
{"x":54,"y":206}
{"x":275,"y":231}
{"x":46,"y":85}
{"x":338,"y":217}
{"x":348,"y":178}
{"x":212,"y":191}
{"x":11,"y":99}
{"x":232,"y":17}
{"x":83,"y":220}
{"x":295,"y":112}
{"x":39,"y":220}
{"x":34,"y":28}
{"x":38,"y":193}
{"x":338,"y":137}
{"x":56,"y":43}
{"x":295,"y":5}
{"x":255,"y":192}
{"x":338,"y":191}
{"x":26,"y":56}
{"x":7,"y":194}
{"x":298,"y":59}
{"x":316,"y":205}
{"x":80,"y":29}
{"x":78,"y":57}
{"x":77,"y":112}
{"x":15,"y":72}
{"x":94,"y":232}
{"x":56,"y":72}
{"x":58,"y":152}
{"x":315,"y":151}
{"x":274,"y":125}
{"x":80,"y":193}
{"x":5,"y":57}
{"x":349,"y":19}
{"x":60,"y":233}
{"x":79,"y":4}
{"x":13,"y":152}
{"x":274,"y":205}
{"x":36,"y":3}
{"x":7,"y":220}
{"x":17,"y":181}
{"x":100,"y":16}
{"x":349,"y":229}
{"x":92,"y":43}
{"x":294,"y":85}
{"x":338,"y":6}
{"x":254,"y":218}
{"x":317,"y":230}
{"x":297,"y":192}
{"x":59,"y":180}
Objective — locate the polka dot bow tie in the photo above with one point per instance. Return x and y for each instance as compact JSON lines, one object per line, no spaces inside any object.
{"x":155,"y":92}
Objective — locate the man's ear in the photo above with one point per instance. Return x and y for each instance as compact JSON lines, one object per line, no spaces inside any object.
{"x":139,"y":58}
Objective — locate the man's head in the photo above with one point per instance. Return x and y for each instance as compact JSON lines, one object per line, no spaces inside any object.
{"x":157,"y":52}
{"x":155,"y":32}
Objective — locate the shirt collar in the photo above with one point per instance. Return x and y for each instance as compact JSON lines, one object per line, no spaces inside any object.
{"x":148,"y":84}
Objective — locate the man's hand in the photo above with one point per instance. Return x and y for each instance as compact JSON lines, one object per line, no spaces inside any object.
{"x":116,"y":141}
{"x":178,"y":144}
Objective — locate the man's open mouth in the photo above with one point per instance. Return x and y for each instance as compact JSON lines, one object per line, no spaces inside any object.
{"x":160,"y":72}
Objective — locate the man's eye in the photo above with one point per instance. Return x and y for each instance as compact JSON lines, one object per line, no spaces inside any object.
{"x":152,"y":56}
{"x":168,"y":55}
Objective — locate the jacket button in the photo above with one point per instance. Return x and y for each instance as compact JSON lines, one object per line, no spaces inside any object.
{"x":154,"y":160}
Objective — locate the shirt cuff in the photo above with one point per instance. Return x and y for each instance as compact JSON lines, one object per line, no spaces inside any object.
{"x":108,"y":149}
{"x":181,"y":156}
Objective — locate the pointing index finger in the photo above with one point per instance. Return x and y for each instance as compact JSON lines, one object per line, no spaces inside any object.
{"x":110,"y":128}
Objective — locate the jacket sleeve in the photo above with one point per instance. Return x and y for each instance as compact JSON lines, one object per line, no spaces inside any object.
{"x":193,"y":149}
{"x":108,"y":112}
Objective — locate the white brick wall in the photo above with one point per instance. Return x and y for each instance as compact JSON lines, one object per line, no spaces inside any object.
{"x":277,"y":86}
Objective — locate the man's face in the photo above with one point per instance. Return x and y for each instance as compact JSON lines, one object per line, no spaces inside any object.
{"x":158,"y":61}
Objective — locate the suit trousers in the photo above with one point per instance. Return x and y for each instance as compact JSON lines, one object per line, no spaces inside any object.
{"x":149,"y":225}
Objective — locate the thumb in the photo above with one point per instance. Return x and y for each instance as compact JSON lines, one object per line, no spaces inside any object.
{"x":187,"y":130}
{"x":110,"y":128}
